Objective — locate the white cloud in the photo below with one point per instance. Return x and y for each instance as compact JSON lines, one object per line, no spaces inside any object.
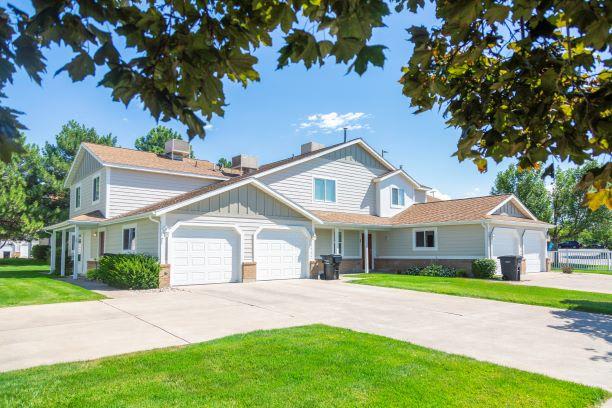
{"x":475,"y":192}
{"x":334,"y":121}
{"x":439,"y":195}
{"x":208,"y":126}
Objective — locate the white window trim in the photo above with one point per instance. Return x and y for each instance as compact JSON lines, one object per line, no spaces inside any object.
{"x":130,"y":251}
{"x":435,"y":231}
{"x":80,"y":202}
{"x":93,"y":181}
{"x":314,"y":196}
{"x":399,"y":190}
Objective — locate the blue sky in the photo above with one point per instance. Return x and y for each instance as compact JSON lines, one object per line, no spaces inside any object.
{"x":272,"y":118}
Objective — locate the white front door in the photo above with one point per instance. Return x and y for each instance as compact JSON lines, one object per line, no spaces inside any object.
{"x":204,"y":255}
{"x":534,"y":250}
{"x":281,"y":254}
{"x":505,"y":242}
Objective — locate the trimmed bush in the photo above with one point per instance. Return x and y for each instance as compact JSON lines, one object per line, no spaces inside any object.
{"x":567,"y":269}
{"x":484,"y":268}
{"x":41,"y":252}
{"x":439,"y":271}
{"x":129,"y":271}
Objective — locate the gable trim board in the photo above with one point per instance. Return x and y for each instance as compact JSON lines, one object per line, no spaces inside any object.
{"x":405,"y":175}
{"x":515,"y":201}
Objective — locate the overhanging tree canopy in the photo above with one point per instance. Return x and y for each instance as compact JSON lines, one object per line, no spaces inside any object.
{"x":525,"y":79}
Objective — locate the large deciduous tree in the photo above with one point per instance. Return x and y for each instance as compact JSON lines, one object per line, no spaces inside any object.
{"x":528,"y":186}
{"x":155,"y":140}
{"x":522,"y":78}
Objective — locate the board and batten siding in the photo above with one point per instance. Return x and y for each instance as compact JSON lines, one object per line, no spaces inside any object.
{"x":87,"y":204}
{"x":453,"y":241}
{"x":87,"y":166}
{"x":353,"y":169}
{"x":130,"y":189}
{"x":245,"y":201}
{"x":510,"y":209}
{"x":247,"y":207}
{"x":146,"y":237}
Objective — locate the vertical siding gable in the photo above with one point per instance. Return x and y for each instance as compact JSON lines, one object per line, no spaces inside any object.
{"x":511,"y":209}
{"x":245,"y":201}
{"x":88,"y":165}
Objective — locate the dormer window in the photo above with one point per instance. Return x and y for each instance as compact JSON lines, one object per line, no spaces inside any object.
{"x":325,"y":190}
{"x":95,"y":190}
{"x":397,"y":197}
{"x":77,"y":197}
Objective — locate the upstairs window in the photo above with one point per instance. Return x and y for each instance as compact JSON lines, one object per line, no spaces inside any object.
{"x":325,"y":190}
{"x":425,"y":239}
{"x":129,"y":239}
{"x":95,"y":197}
{"x":397,"y":197}
{"x":77,"y":197}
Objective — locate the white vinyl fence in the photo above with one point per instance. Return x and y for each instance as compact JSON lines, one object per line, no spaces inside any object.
{"x":594,"y":259}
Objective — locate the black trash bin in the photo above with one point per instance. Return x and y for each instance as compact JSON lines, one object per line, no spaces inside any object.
{"x":511,"y":267}
{"x":337,"y":261}
{"x":328,"y":267}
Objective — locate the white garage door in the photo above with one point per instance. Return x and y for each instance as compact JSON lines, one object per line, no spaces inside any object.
{"x":281,"y":254}
{"x":204,"y":255}
{"x":534,"y":245}
{"x":505,"y":242}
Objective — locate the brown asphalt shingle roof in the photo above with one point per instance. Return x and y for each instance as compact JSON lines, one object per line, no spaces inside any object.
{"x":148,"y":160}
{"x":91,"y":216}
{"x":351,"y":218}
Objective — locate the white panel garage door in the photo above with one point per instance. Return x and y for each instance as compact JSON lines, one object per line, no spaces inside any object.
{"x":534,"y":244}
{"x":281,"y":254}
{"x":505,"y":242}
{"x":204,"y":255}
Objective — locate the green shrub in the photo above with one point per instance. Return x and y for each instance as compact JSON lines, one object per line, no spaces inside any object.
{"x":567,"y":269}
{"x":41,"y":252}
{"x":129,"y":271}
{"x":483,"y":268}
{"x":439,"y":271}
{"x":413,"y":271}
{"x":462,"y":273}
{"x":94,"y":274}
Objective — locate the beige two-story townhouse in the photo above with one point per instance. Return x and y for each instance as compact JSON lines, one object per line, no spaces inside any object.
{"x":207,"y":224}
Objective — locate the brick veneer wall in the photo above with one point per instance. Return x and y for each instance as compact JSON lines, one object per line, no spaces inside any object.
{"x":249,"y":271}
{"x":92,"y":264}
{"x":164,"y":275}
{"x":397,"y":265}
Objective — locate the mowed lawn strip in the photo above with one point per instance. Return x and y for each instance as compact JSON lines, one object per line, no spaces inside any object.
{"x":24,"y":282}
{"x":494,"y":290}
{"x":301,"y":367}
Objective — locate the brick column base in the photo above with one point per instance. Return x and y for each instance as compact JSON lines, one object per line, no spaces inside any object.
{"x":249,"y":271}
{"x":523,"y":267}
{"x":164,"y":276}
{"x":92,"y":264}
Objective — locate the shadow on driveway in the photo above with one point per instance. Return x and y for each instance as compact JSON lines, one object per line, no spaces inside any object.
{"x":594,"y":325}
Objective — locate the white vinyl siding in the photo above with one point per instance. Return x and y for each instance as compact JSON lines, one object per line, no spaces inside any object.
{"x":453,"y":240}
{"x":131,"y":189}
{"x":352,"y":241}
{"x":87,"y":203}
{"x":353,"y":169}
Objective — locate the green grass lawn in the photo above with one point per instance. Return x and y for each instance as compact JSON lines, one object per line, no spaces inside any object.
{"x":495,"y":290}
{"x":300,"y":367}
{"x":25,"y":282}
{"x":602,"y":270}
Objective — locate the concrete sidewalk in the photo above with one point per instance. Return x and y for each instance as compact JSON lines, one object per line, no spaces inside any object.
{"x":575,"y":346}
{"x":587,"y":282}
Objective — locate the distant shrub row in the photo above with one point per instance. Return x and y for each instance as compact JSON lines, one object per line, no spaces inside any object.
{"x":481,"y":268}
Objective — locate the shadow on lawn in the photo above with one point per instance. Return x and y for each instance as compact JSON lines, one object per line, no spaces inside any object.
{"x":592,"y":324}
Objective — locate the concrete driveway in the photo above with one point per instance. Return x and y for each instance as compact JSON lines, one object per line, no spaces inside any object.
{"x":588,"y":282}
{"x":574,"y":346}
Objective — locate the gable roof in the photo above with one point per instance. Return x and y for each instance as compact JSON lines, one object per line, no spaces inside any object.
{"x":402,"y":173}
{"x":120,"y":157}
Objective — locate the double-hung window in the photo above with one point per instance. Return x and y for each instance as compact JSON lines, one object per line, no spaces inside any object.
{"x":325,"y":190}
{"x":425,"y":239}
{"x":77,"y":197}
{"x":338,"y":250}
{"x":129,"y":239}
{"x":397,"y":197}
{"x":95,"y":188}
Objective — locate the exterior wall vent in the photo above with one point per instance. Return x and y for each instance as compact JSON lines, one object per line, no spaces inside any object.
{"x":311,"y":147}
{"x":177,"y":149}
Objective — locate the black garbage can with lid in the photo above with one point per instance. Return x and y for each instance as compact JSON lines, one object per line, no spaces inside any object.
{"x":337,"y":261}
{"x":331,"y":267}
{"x":511,"y":267}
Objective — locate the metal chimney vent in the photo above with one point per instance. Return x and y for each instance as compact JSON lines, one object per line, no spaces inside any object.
{"x":177,"y":149}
